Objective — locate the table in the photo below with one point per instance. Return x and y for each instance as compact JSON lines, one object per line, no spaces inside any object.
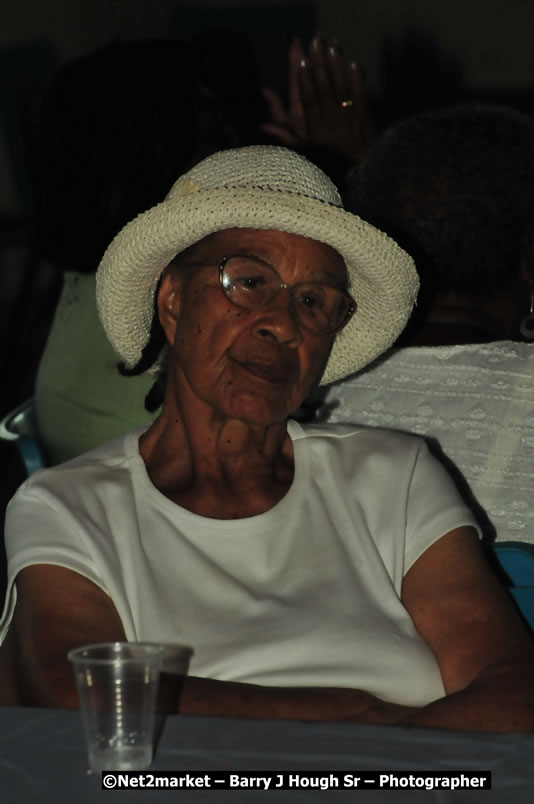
{"x":42,"y":759}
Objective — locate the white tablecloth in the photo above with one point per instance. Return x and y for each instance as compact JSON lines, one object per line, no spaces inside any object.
{"x":43,"y":759}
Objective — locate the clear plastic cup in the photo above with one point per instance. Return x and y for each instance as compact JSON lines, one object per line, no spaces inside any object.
{"x":176,"y":658}
{"x":118,"y":683}
{"x":174,"y":668}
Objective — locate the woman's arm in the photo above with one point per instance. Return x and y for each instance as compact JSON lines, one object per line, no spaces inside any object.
{"x":485,"y":653}
{"x":58,"y":609}
{"x":201,"y":696}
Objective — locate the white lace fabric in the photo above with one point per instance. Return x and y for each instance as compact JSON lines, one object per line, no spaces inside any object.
{"x":476,"y":401}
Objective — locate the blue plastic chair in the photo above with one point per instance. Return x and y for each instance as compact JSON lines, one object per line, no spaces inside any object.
{"x":517,"y":561}
{"x":20,"y":427}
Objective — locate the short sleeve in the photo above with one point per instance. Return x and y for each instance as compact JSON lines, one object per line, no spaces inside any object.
{"x":38,"y":532}
{"x":434,"y":506}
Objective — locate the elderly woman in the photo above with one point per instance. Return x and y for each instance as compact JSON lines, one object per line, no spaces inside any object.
{"x":318,"y":573}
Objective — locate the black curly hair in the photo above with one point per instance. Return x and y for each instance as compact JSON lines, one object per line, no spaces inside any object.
{"x":455,"y":188}
{"x":157,"y":341}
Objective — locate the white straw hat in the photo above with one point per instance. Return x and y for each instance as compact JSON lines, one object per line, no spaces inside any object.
{"x":258,"y":187}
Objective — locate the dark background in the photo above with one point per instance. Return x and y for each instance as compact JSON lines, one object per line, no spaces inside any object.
{"x":417,"y":54}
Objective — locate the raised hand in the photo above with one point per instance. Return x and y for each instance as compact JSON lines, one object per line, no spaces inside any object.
{"x":327,"y":105}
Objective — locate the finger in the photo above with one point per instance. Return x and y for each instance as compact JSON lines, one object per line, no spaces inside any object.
{"x":297,"y":105}
{"x":295,"y":65}
{"x":296,"y":51}
{"x":339,"y":74}
{"x":356,"y":82}
{"x":310,"y":105}
{"x":361,"y":107}
{"x":277,"y":111}
{"x":320,"y":75}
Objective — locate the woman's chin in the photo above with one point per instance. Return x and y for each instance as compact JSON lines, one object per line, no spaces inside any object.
{"x":259,"y":409}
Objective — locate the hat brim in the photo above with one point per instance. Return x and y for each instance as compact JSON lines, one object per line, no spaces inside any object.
{"x":382,"y":277}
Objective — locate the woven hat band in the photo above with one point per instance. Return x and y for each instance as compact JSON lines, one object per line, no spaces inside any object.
{"x":248,"y":168}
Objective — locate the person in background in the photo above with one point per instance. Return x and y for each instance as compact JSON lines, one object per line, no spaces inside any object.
{"x":114,"y":130}
{"x":455,"y":187}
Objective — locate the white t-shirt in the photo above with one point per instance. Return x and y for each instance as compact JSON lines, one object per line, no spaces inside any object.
{"x":305,"y":594}
{"x":476,"y":401}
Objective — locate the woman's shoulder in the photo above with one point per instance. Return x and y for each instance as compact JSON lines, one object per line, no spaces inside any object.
{"x":85,"y":474}
{"x":359,"y":437}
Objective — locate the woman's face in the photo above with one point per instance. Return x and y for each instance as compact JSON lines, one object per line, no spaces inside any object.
{"x":255,"y":365}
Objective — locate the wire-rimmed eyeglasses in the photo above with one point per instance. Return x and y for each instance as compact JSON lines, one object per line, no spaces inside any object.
{"x":320,"y":308}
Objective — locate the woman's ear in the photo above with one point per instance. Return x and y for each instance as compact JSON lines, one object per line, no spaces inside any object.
{"x":168,"y":301}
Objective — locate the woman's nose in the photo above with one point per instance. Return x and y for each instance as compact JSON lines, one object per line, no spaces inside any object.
{"x":278,"y":319}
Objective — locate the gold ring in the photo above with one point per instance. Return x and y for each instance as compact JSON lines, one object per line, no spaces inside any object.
{"x":346,"y":104}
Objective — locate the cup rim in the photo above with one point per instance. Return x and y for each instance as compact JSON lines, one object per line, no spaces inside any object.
{"x":168,"y":647}
{"x":152,"y":650}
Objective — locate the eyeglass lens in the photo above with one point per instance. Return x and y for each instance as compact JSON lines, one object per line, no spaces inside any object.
{"x":319,"y":307}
